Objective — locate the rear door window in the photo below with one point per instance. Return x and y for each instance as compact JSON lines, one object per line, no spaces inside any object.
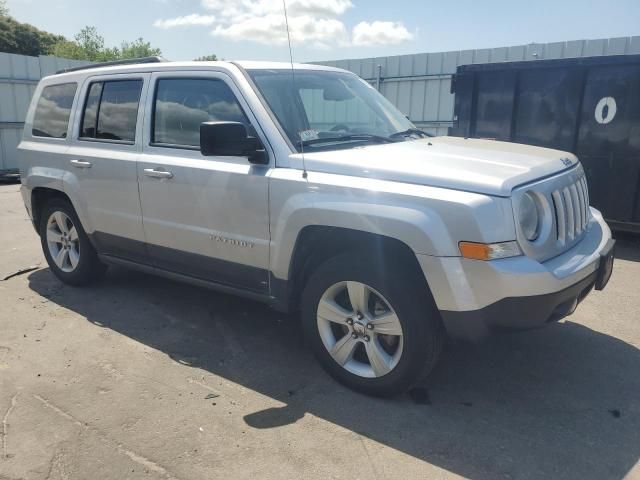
{"x":182,"y":104}
{"x":53,"y":110}
{"x":111,"y":111}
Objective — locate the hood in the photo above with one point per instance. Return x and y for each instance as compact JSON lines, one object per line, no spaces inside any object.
{"x":481,"y":166}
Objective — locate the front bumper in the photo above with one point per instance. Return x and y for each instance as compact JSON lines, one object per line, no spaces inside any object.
{"x":475,"y":297}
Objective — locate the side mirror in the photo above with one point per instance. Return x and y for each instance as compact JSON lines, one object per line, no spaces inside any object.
{"x":230,"y":139}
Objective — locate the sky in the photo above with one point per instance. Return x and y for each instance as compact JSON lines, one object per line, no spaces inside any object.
{"x":331,"y":29}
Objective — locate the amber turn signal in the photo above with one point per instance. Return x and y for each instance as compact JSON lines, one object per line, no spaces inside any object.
{"x":489,"y":251}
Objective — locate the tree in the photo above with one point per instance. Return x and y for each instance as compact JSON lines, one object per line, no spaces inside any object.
{"x":88,"y":44}
{"x":4,"y":10}
{"x":138,"y":48}
{"x":206,"y":58}
{"x":92,"y":44}
{"x":68,"y":49}
{"x":25,"y":39}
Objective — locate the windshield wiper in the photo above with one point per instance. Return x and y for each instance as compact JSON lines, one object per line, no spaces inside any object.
{"x":348,"y":138}
{"x":410,"y":131}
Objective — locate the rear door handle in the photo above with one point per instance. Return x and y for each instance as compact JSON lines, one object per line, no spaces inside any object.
{"x":81,"y":164}
{"x":157,"y":173}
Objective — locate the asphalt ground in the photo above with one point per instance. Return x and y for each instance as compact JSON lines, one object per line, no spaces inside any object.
{"x":142,"y":377}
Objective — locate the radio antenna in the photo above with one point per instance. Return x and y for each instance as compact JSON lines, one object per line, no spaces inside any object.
{"x":293,"y":81}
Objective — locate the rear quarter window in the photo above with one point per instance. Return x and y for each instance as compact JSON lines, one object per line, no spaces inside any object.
{"x":53,"y":111}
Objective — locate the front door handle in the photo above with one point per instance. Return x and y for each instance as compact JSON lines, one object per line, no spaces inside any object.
{"x":81,"y":164}
{"x":157,"y":173}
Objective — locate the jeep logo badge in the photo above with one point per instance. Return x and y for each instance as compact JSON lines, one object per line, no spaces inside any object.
{"x":566,"y":162}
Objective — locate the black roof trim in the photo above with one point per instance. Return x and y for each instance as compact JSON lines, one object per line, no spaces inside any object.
{"x":128,"y":61}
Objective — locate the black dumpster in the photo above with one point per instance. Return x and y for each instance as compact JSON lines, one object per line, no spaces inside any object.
{"x":589,"y":106}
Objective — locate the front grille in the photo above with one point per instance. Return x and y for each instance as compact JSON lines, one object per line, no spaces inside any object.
{"x":571,"y":207}
{"x":564,"y":199}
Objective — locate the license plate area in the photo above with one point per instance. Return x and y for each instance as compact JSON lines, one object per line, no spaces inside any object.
{"x":606,"y":265}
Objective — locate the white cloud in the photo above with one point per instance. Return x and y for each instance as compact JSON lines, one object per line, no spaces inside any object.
{"x":267,"y":29}
{"x":380,"y":33}
{"x":193,"y":19}
{"x":226,"y":8}
{"x":328,"y":8}
{"x":271,"y":29}
{"x":314,"y":23}
{"x":254,"y":8}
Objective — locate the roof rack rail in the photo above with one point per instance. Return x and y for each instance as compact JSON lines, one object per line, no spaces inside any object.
{"x":127,"y":61}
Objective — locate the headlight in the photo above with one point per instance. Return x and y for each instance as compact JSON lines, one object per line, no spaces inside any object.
{"x":529,"y":216}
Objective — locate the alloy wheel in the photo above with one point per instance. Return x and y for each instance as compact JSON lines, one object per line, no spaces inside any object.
{"x":63,"y":241}
{"x":360,"y":329}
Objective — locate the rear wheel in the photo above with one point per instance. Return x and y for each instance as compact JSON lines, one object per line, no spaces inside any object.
{"x":66,"y":246}
{"x":374,"y":328}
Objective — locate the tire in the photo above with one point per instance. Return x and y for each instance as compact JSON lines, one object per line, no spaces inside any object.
{"x":407,"y":296}
{"x":80,"y":266}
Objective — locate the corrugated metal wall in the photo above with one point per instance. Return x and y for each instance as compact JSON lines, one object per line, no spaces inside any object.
{"x":419,"y":85}
{"x":19,"y":75}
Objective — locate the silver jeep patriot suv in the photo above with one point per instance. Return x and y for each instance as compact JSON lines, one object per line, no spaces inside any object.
{"x":303,"y":187}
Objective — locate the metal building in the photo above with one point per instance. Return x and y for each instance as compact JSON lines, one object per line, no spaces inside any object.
{"x":19,"y":75}
{"x":420,"y":84}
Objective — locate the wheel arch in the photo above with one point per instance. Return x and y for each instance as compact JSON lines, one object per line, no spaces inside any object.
{"x":39,"y":197}
{"x":316,"y":244}
{"x":66,"y":187}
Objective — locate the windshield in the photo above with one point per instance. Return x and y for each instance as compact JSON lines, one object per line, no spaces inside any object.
{"x":331,"y":110}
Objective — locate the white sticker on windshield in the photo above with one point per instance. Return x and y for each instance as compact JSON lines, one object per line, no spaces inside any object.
{"x":308,"y":135}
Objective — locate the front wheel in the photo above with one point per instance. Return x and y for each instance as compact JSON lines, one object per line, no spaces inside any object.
{"x":373,"y":327}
